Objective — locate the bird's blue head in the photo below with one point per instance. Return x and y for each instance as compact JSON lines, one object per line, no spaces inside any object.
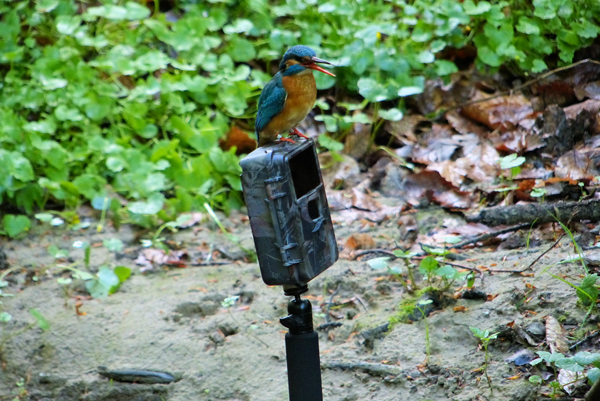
{"x":298,"y":58}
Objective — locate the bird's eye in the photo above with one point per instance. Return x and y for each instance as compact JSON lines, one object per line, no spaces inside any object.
{"x":306,"y":60}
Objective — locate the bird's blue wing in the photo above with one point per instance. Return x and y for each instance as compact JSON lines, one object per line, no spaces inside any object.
{"x":271,"y":101}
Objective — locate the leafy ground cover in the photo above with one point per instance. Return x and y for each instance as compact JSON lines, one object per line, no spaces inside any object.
{"x":123,"y":105}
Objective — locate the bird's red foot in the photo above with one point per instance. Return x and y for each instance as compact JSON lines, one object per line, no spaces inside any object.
{"x":298,"y":133}
{"x":290,"y":140}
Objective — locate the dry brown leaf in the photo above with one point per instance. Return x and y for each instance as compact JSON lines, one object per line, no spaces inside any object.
{"x":195,"y":218}
{"x":575,"y":165}
{"x":436,"y":145}
{"x":150,"y":256}
{"x":244,"y":142}
{"x":517,"y":141}
{"x":556,"y":337}
{"x":567,"y":379}
{"x":589,"y":90}
{"x":590,"y":105}
{"x":431,"y":185}
{"x":503,"y":112}
{"x":405,"y":130}
{"x":359,"y":241}
{"x":465,"y":126}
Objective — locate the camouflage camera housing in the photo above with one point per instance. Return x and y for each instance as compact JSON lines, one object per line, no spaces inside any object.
{"x":289,"y":214}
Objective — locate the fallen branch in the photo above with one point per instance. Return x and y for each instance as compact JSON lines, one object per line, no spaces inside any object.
{"x":374,"y":369}
{"x":539,"y":213}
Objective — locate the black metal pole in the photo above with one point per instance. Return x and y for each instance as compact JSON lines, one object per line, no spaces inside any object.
{"x":302,"y":352}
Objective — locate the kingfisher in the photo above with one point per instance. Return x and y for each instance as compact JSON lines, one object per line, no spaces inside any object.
{"x":287,"y":99}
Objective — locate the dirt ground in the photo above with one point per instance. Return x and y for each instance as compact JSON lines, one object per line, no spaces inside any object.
{"x":172,"y":319}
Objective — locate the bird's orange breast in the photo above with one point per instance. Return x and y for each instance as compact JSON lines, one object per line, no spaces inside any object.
{"x":301,"y":96}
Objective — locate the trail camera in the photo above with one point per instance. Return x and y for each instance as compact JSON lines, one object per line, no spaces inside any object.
{"x":288,"y":211}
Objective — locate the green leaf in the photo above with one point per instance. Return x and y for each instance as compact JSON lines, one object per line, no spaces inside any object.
{"x":113,"y":244}
{"x":539,"y":66}
{"x":152,"y":206}
{"x":331,"y":144}
{"x":587,"y":290}
{"x":445,"y":67}
{"x":535,"y":379}
{"x":480,"y":8}
{"x":15,"y":224}
{"x":511,"y":161}
{"x":378,"y":263}
{"x":41,"y":320}
{"x":586,"y":358}
{"x":5,"y":317}
{"x":593,"y":375}
{"x":488,"y":56}
{"x":569,"y":364}
{"x":108,"y":11}
{"x":528,"y":26}
{"x":428,"y":265}
{"x":447,"y":272}
{"x":371,"y":90}
{"x":45,"y":217}
{"x":135,"y":11}
{"x":241,"y":50}
{"x":409,"y":91}
{"x":393,"y":114}
{"x":123,"y":273}
{"x":66,"y":24}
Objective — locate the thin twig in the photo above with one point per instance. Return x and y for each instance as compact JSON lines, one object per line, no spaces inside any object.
{"x":417,"y":257}
{"x":545,"y":252}
{"x":588,"y":338}
{"x":386,"y":252}
{"x":486,"y":236}
{"x":528,"y":83}
{"x":532,"y":263}
{"x":374,"y":369}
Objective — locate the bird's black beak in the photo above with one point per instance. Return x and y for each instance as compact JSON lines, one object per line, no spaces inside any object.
{"x":314,"y":66}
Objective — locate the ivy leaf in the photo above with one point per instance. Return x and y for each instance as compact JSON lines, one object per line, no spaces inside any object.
{"x":113,"y":244}
{"x":378,"y":263}
{"x":472,"y":9}
{"x":331,"y":144}
{"x":428,"y":265}
{"x":66,"y":24}
{"x":409,"y":91}
{"x":15,"y":225}
{"x":539,"y":66}
{"x":371,"y":90}
{"x":569,"y":364}
{"x":586,"y":358}
{"x":153,"y":205}
{"x":108,"y":11}
{"x":393,"y":114}
{"x":528,"y":26}
{"x":135,"y":11}
{"x":241,"y":50}
{"x":445,"y":67}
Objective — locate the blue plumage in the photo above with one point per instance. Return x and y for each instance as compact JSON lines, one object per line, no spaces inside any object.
{"x":270,"y":103}
{"x":280,"y":108}
{"x":297,"y":52}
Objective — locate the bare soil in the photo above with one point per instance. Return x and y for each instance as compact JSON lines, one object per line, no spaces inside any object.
{"x":172,"y":319}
